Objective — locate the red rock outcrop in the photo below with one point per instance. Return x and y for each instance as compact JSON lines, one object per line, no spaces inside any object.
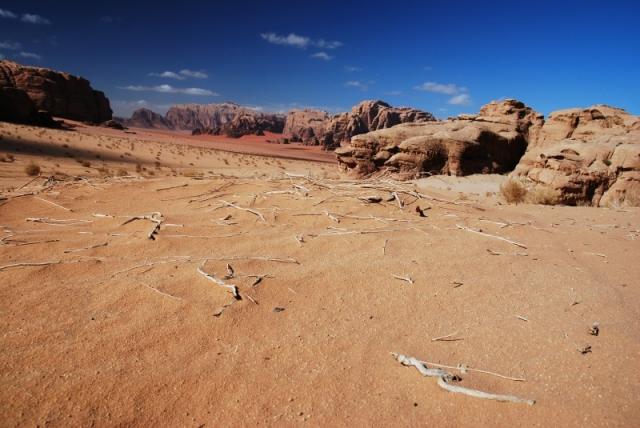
{"x":368,"y":116}
{"x":201,"y":116}
{"x":60,"y":94}
{"x":145,"y":118}
{"x":586,"y":156}
{"x":491,"y":142}
{"x":306,"y":126}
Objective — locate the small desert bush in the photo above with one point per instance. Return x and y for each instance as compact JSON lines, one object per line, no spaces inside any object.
{"x":543,"y":195}
{"x":32,"y":169}
{"x":513,"y":191}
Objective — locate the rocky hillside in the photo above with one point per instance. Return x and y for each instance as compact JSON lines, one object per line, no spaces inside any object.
{"x":59,"y":94}
{"x":368,"y":116}
{"x":145,"y":118}
{"x":202,"y":116}
{"x":582,"y":156}
{"x":306,"y":126}
{"x":586,"y":156}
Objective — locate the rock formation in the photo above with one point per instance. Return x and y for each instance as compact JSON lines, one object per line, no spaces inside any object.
{"x":145,"y":118}
{"x":587,"y":156}
{"x":59,"y":94}
{"x":368,"y":116}
{"x":201,"y":116}
{"x":584,"y":156}
{"x":491,"y":142}
{"x":306,"y":126}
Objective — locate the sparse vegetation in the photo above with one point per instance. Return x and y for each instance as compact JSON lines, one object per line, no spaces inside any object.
{"x":32,"y":169}
{"x":543,"y":195}
{"x":513,"y":191}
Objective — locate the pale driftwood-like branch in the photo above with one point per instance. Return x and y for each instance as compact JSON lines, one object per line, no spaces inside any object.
{"x":299,"y":239}
{"x":230,"y":272}
{"x":403,"y":278}
{"x":384,"y":247}
{"x":398,"y":200}
{"x":154,"y":217}
{"x":498,"y":253}
{"x":468,"y":229}
{"x":104,"y":244}
{"x":446,"y":380}
{"x":26,"y":264}
{"x":53,"y":203}
{"x":56,"y":222}
{"x":172,"y":187}
{"x":447,"y":338}
{"x":254,"y":212}
{"x":221,"y":283}
{"x":162,"y":293}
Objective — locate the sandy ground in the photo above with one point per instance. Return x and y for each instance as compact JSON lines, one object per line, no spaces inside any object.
{"x":120,"y":329}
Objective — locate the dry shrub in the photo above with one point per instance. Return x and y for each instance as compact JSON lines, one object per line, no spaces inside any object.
{"x":543,"y":195}
{"x":85,"y":163}
{"x":32,"y":169}
{"x":513,"y":191}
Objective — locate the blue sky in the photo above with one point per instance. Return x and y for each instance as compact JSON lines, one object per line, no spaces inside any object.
{"x":443,"y":57}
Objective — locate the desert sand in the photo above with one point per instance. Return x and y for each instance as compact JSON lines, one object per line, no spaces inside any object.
{"x":103,"y":326}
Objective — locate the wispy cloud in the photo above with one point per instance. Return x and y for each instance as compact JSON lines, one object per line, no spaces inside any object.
{"x":460,"y":100}
{"x":322,"y":55}
{"x":12,"y":46}
{"x":324,"y":44}
{"x":459,"y":95}
{"x":108,"y":19}
{"x":352,"y":68}
{"x":7,"y":14}
{"x":441,"y":88}
{"x":290,"y":40}
{"x":195,"y":74}
{"x":168,"y":89}
{"x":181,"y":75}
{"x":298,"y":41}
{"x":363,"y":86}
{"x":30,"y":55}
{"x":124,"y":108}
{"x":31,"y":18}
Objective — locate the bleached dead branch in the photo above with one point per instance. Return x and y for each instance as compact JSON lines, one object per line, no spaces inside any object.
{"x":53,"y":203}
{"x":220,"y":282}
{"x":445,"y":380}
{"x":468,"y":229}
{"x":252,"y":211}
{"x":403,"y":278}
{"x":154,"y":217}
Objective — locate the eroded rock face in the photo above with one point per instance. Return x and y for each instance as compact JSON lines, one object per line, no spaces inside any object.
{"x":368,"y":116}
{"x":201,"y":116}
{"x":145,"y":118}
{"x":588,"y":156}
{"x":252,"y":123}
{"x":59,"y":94}
{"x":491,"y":142}
{"x":306,"y":126}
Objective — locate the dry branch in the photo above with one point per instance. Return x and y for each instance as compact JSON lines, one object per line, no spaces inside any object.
{"x":24,"y":264}
{"x":447,"y":338}
{"x":53,"y":203}
{"x":218,"y":281}
{"x":468,"y":229}
{"x":254,"y":212}
{"x":104,"y":244}
{"x":154,"y":217}
{"x":403,"y":278}
{"x":56,"y":222}
{"x":445,"y":381}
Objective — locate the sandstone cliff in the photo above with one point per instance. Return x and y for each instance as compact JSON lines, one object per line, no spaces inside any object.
{"x":306,"y":126}
{"x":145,"y":118}
{"x":59,"y":94}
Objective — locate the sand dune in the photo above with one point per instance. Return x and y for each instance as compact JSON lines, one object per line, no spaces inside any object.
{"x":114,"y":328}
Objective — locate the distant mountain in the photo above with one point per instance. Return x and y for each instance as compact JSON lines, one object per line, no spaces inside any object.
{"x":145,"y":118}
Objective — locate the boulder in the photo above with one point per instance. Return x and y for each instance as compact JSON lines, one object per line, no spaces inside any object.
{"x":368,"y":116}
{"x":306,"y":126}
{"x":587,"y":156}
{"x":60,"y":94}
{"x":491,"y":142}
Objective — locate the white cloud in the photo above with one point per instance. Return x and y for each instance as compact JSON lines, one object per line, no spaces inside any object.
{"x":168,"y":75}
{"x":181,"y":75}
{"x":352,"y":68}
{"x":460,"y":100}
{"x":298,"y":41}
{"x":30,"y":55}
{"x":13,"y":46}
{"x":34,"y":19}
{"x":322,"y":55}
{"x":441,"y":88}
{"x":324,"y":44}
{"x":363,"y":86}
{"x":289,"y":40}
{"x":7,"y":14}
{"x":168,"y":89}
{"x":195,"y":74}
